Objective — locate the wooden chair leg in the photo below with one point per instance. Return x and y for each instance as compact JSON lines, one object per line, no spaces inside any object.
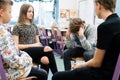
{"x":28,"y":78}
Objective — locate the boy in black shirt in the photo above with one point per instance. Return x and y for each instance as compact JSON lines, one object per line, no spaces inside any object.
{"x":102,"y":65}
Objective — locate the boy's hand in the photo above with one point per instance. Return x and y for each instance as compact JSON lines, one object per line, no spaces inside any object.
{"x":81,"y":31}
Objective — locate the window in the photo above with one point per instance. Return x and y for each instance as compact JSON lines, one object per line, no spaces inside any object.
{"x":43,"y":11}
{"x":46,"y":0}
{"x":118,"y":7}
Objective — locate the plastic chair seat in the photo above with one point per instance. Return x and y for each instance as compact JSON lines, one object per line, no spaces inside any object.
{"x":117,"y":70}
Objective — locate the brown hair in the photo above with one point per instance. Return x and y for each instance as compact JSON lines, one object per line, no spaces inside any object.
{"x":107,"y":4}
{"x":4,"y":3}
{"x":74,"y":24}
{"x":23,"y":14}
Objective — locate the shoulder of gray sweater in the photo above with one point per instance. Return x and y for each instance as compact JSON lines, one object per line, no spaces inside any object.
{"x":90,"y":28}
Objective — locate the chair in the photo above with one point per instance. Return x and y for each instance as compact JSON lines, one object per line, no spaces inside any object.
{"x":60,"y":45}
{"x":3,"y":74}
{"x":53,"y":38}
{"x":116,"y":47}
{"x":117,"y":70}
{"x":43,"y":37}
{"x":58,"y":41}
{"x":2,"y":71}
{"x":78,"y":59}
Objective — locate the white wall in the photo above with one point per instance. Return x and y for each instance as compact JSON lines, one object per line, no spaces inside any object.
{"x":67,"y":4}
{"x":84,"y":8}
{"x":86,"y":11}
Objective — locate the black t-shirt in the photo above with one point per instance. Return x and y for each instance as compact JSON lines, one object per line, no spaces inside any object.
{"x":106,"y":33}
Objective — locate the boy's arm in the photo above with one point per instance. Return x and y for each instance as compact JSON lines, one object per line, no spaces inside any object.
{"x":23,"y":46}
{"x":95,"y":62}
{"x":88,"y":41}
{"x":12,"y":57}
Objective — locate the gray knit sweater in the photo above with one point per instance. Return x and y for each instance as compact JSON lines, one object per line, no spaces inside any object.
{"x":87,"y":41}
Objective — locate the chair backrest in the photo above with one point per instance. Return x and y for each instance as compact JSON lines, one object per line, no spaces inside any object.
{"x":2,"y":71}
{"x":58,"y":40}
{"x":43,"y":37}
{"x":117,"y":69}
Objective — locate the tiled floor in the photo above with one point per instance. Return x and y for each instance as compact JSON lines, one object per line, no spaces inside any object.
{"x":60,"y":65}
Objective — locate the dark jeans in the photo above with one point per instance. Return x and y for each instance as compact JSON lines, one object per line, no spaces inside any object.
{"x":41,"y":74}
{"x":88,"y":54}
{"x":75,"y":52}
{"x":37,"y":52}
{"x":84,"y":73}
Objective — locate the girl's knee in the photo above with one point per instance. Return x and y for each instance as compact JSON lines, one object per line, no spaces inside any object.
{"x":47,"y":49}
{"x":44,"y":60}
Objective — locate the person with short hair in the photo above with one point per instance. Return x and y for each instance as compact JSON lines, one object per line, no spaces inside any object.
{"x":102,"y":65}
{"x":80,"y":42}
{"x":17,"y":64}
